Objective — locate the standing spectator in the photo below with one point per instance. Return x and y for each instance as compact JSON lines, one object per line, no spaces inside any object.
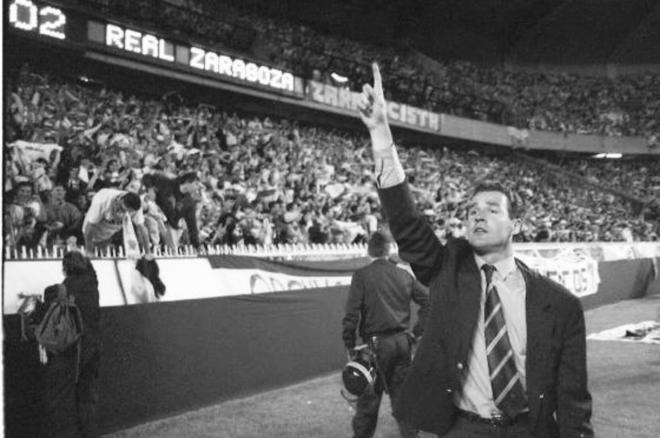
{"x":75,"y":186}
{"x":70,"y":403}
{"x":177,"y":199}
{"x":110,"y":178}
{"x":378,"y":307}
{"x":105,"y":218}
{"x":63,"y":218}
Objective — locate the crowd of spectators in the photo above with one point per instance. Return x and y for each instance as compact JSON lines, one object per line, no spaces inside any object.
{"x":182,"y":19}
{"x":262,"y":181}
{"x":626,"y":105}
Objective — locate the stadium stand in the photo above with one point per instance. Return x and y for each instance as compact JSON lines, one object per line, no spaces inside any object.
{"x":283,"y":179}
{"x":545,"y":101}
{"x":643,"y":44}
{"x":268,"y":181}
{"x":583,"y":32}
{"x":559,"y":102}
{"x":180,"y":18}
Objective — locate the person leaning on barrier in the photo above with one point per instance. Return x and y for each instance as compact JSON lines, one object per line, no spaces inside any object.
{"x":106,"y":215}
{"x":378,"y":307}
{"x":504,"y":349}
{"x":177,"y":200}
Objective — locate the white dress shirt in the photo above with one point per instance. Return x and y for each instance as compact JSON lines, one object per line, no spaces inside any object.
{"x":477,"y":394}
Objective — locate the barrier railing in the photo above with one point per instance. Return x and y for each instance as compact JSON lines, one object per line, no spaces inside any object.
{"x":284,"y":251}
{"x":598,"y":250}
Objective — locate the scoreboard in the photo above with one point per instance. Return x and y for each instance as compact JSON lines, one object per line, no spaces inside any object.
{"x":44,"y":20}
{"x":50,"y":22}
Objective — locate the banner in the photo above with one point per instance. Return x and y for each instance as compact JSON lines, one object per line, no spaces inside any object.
{"x":25,"y":153}
{"x":346,"y":99}
{"x":576,"y":271}
{"x":219,"y":64}
{"x":190,"y":278}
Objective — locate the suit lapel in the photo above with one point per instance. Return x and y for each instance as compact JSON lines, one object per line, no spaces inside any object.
{"x":539,"y":329}
{"x":468,"y":291}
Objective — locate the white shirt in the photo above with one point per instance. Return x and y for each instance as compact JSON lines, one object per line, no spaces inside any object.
{"x":477,"y":393}
{"x":101,"y":213}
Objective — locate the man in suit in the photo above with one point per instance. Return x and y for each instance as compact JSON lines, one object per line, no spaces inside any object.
{"x":378,"y":307}
{"x":504,"y":349}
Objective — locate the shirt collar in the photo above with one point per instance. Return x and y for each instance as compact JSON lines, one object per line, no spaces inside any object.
{"x":504,"y":267}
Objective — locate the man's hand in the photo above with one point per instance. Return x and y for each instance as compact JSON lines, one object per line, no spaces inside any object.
{"x":54,"y":226}
{"x":373,"y":112}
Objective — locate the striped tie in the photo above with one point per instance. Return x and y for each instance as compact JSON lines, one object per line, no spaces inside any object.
{"x":508,"y":392}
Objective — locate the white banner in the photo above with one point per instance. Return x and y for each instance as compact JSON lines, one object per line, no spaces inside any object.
{"x":577,"y":272}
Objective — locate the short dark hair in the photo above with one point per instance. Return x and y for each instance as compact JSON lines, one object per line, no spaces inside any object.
{"x":24,"y":184}
{"x":75,"y":263}
{"x":513,"y":207}
{"x":132,"y":201}
{"x":378,"y":245}
{"x":148,"y":180}
{"x":188,"y":177}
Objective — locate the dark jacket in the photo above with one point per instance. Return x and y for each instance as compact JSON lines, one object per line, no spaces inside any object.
{"x":150,"y":270}
{"x":379,"y":300}
{"x":176,"y":205}
{"x":556,"y":342}
{"x":84,"y":287}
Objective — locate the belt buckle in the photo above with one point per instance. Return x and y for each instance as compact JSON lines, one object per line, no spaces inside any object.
{"x":498,"y":419}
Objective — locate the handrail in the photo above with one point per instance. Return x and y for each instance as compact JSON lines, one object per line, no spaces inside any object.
{"x":299,"y":250}
{"x":314,"y":250}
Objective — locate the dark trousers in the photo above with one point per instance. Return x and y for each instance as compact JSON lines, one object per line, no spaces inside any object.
{"x":70,"y":406}
{"x":464,"y":428}
{"x":393,"y":361}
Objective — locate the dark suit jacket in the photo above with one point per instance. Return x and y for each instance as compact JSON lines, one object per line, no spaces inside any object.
{"x":556,"y":371}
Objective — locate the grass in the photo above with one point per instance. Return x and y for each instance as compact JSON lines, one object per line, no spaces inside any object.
{"x":624,"y":379}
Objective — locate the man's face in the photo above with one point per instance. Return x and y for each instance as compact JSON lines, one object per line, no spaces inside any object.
{"x":134,"y":186}
{"x":188,"y":187}
{"x":489,"y":227}
{"x":24,"y":193}
{"x":58,"y":193}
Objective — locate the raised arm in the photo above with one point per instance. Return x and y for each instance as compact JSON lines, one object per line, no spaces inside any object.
{"x":417,"y":242}
{"x":373,"y":111}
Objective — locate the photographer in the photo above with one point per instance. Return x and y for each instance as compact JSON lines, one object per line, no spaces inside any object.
{"x":71,"y":405}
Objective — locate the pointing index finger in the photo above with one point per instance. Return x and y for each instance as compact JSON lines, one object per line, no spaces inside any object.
{"x":378,"y":81}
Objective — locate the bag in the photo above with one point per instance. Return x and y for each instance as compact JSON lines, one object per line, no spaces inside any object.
{"x":61,"y":328}
{"x":31,"y":311}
